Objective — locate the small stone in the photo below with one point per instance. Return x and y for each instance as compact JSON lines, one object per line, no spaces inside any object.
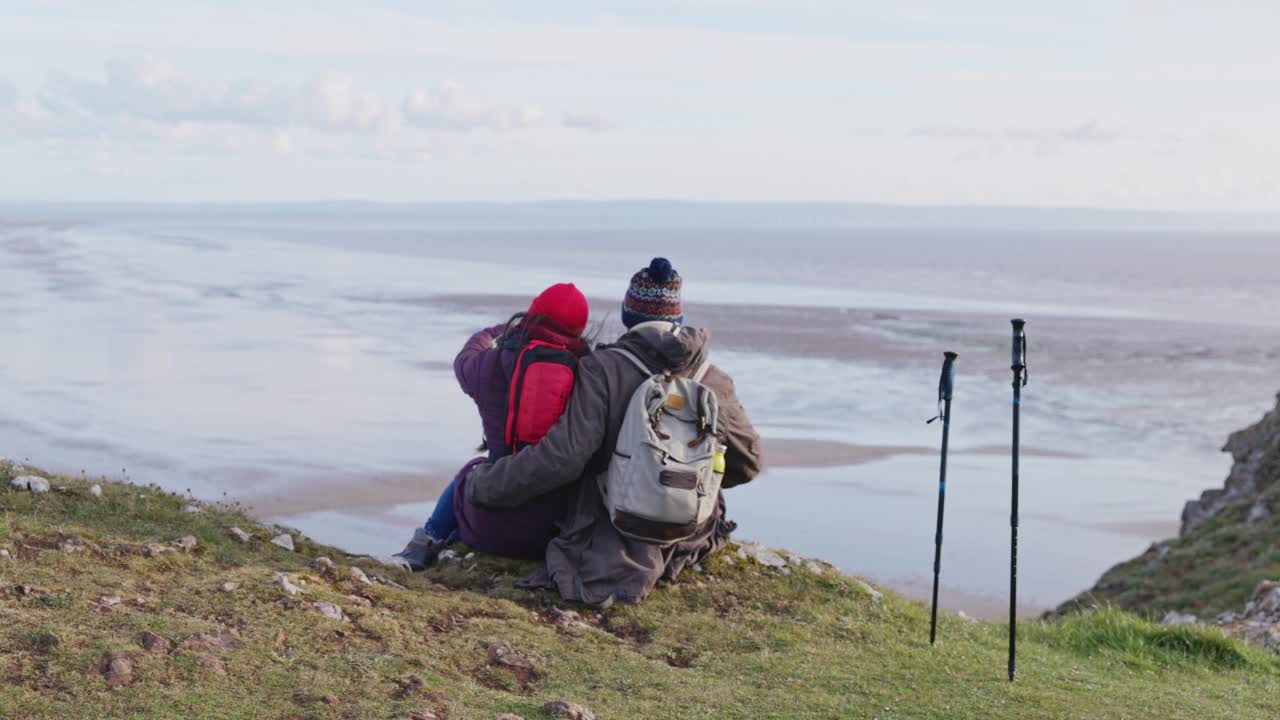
{"x":507,"y":716}
{"x":110,"y":600}
{"x":30,"y":590}
{"x":321,"y":564}
{"x":1258,"y":512}
{"x":212,"y":664}
{"x":206,"y":642}
{"x":152,"y":550}
{"x":186,"y":542}
{"x":96,"y":490}
{"x":284,"y":540}
{"x":504,"y":654}
{"x":447,"y":555}
{"x":329,"y":610}
{"x":814,"y":567}
{"x":568,"y":711}
{"x":191,"y":508}
{"x":34,"y":483}
{"x":423,"y":715}
{"x":697,"y":567}
{"x":876,"y":595}
{"x":1174,"y":618}
{"x":361,"y":601}
{"x":116,"y":667}
{"x":155,"y":643}
{"x":567,"y":619}
{"x":728,"y":560}
{"x":761,"y":554}
{"x":469,"y":556}
{"x":5,"y":555}
{"x":282,"y":580}
{"x":71,"y":545}
{"x":360,"y":576}
{"x":230,"y":586}
{"x":239,"y":534}
{"x":389,"y":583}
{"x":965,"y":617}
{"x":280,"y":640}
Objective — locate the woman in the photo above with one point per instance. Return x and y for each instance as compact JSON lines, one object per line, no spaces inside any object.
{"x":486,"y":368}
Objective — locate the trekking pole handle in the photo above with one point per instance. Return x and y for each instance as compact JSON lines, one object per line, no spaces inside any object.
{"x":946,"y":383}
{"x":1019,"y":353}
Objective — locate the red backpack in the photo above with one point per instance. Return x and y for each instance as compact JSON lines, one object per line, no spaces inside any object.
{"x":540,"y":388}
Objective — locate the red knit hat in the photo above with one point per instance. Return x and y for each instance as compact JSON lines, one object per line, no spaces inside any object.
{"x":564,"y":304}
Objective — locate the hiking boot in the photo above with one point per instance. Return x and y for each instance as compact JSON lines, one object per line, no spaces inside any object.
{"x":420,"y":552}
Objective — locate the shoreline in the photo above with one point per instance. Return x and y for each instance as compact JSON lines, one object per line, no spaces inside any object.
{"x":382,"y":491}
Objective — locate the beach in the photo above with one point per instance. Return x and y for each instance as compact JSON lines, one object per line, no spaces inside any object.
{"x":301,"y":365}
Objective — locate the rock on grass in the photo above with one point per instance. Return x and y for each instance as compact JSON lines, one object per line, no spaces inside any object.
{"x":330,"y":610}
{"x":284,"y":540}
{"x":212,"y":664}
{"x":240,"y":535}
{"x":34,"y":483}
{"x":208,"y":642}
{"x":116,"y":667}
{"x":283,"y":581}
{"x":156,"y":643}
{"x":876,"y":595}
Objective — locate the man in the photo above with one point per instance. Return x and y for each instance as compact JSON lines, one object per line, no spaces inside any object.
{"x":590,"y":561}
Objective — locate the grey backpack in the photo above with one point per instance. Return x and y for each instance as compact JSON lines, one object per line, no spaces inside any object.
{"x":661,"y":485}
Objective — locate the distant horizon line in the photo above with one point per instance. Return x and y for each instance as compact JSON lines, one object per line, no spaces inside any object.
{"x":865,"y":204}
{"x":649,"y":213}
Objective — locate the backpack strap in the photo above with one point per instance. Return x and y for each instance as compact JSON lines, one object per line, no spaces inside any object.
{"x":701,"y":372}
{"x":634,"y":360}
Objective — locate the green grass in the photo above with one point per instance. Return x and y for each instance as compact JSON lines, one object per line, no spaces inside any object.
{"x":749,"y":644}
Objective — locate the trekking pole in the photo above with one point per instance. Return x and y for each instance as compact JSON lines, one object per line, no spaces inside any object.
{"x":1020,"y":374}
{"x":946,"y":382}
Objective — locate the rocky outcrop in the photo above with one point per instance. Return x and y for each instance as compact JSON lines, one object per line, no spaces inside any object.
{"x":1258,"y":625}
{"x":1227,"y":544}
{"x":1250,"y":449}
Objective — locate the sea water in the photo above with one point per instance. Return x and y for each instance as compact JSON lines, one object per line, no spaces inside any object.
{"x":301,"y":362}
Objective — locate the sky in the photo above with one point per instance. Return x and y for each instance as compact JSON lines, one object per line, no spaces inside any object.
{"x":1118,"y":104}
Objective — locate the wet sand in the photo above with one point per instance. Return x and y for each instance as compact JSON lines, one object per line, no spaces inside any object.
{"x":368,"y":495}
{"x":795,"y":453}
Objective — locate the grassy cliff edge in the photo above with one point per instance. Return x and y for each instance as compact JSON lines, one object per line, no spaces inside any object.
{"x":136,"y":603}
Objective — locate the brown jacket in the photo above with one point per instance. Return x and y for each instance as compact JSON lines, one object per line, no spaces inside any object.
{"x":590,"y":562}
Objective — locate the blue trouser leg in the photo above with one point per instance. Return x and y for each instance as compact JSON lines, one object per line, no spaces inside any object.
{"x":443,"y":523}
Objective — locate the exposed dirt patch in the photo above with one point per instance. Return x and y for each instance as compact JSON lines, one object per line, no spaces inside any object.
{"x":682,"y":657}
{"x":508,"y":670}
{"x":629,"y":629}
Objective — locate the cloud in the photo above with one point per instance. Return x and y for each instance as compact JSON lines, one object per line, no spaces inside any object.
{"x":586,"y":121}
{"x":150,"y":90}
{"x":1088,"y":133}
{"x":453,"y":107}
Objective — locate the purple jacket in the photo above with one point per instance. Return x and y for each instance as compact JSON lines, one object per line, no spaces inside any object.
{"x":484,"y":368}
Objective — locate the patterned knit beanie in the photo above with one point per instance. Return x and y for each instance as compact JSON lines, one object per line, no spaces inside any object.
{"x":654,"y":294}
